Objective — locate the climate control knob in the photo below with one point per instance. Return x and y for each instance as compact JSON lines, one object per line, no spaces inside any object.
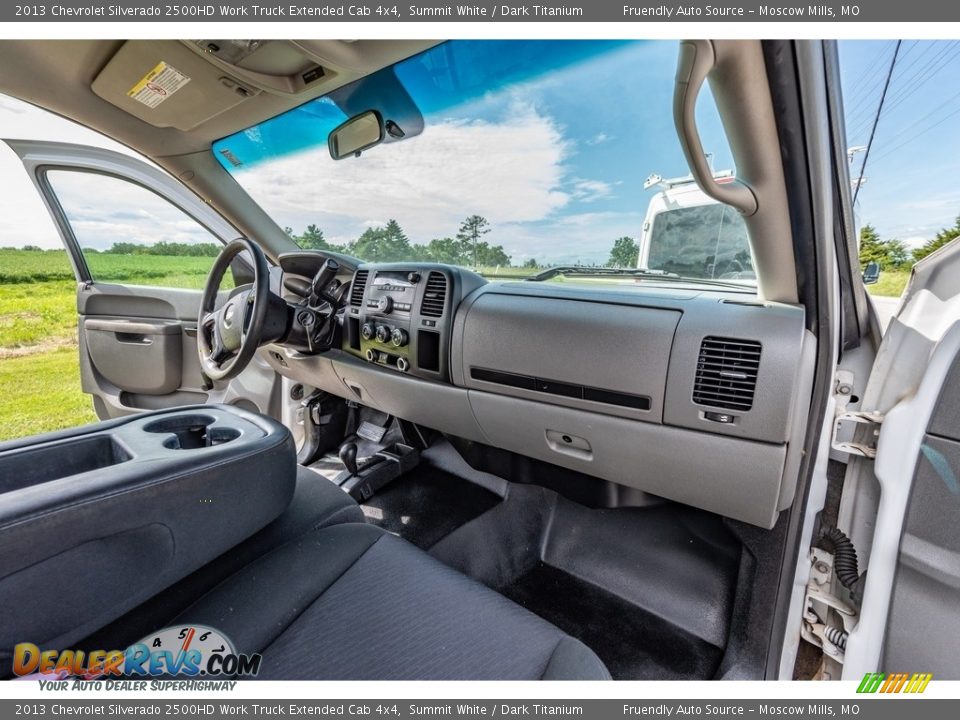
{"x":399,"y":337}
{"x":368,"y":331}
{"x":383,"y":333}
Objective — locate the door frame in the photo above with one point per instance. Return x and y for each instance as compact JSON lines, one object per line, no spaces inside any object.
{"x":39,"y":157}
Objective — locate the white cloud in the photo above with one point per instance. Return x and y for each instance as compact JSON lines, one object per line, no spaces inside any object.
{"x":593,"y":218}
{"x":588,"y":191}
{"x":428,"y":183}
{"x":599,"y":139}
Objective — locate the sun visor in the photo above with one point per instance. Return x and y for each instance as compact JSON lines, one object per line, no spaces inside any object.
{"x":167,"y":84}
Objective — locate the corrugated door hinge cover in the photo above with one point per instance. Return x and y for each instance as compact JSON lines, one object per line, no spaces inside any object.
{"x":827,"y":620}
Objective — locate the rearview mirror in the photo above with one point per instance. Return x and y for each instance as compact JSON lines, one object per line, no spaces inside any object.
{"x":357,"y":134}
{"x":871,"y":273}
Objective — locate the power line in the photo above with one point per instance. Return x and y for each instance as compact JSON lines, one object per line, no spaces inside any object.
{"x":939,"y":122}
{"x":930,"y":70}
{"x":860,"y":96}
{"x":943,"y":57}
{"x":873,"y":131}
{"x":903,"y":84}
{"x":868,"y":70}
{"x":876,"y":56}
{"x":861,"y":93}
{"x":949,"y":102}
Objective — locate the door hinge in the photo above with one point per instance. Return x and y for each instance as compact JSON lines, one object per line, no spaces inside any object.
{"x":855,"y":432}
{"x":866,"y":446}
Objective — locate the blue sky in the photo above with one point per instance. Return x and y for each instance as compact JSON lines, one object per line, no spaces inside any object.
{"x":554,"y":151}
{"x":557,"y":160}
{"x":913,"y":172}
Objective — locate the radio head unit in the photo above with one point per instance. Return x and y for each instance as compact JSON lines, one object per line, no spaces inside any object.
{"x":400,"y":316}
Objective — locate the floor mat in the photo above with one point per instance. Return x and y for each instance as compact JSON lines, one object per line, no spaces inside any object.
{"x":426,"y":505}
{"x":649,"y":589}
{"x":631,"y":642}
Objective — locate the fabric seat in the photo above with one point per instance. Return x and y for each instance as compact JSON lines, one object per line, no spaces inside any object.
{"x":316,"y":503}
{"x":354,"y":602}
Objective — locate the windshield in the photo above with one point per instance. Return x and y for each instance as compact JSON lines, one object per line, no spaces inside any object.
{"x":511,"y":157}
{"x":706,"y":241}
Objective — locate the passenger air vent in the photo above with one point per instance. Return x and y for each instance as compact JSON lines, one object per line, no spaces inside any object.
{"x":727,"y":373}
{"x":435,"y":295}
{"x":359,"y":285}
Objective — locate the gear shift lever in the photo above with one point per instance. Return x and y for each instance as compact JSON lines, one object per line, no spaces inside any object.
{"x":348,"y":456}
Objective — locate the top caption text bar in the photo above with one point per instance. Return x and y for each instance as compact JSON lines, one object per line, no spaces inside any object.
{"x":431,"y":11}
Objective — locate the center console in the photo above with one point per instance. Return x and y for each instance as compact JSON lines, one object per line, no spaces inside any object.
{"x":97,"y":519}
{"x":400,"y":316}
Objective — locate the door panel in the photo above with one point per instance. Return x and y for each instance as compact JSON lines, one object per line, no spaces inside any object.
{"x":132,"y":232}
{"x":121,"y":374}
{"x":908,"y":539}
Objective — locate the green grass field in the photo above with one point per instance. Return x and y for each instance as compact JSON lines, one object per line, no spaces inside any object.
{"x":27,"y":266}
{"x":891,"y":283}
{"x":39,"y":367}
{"x":41,"y":393}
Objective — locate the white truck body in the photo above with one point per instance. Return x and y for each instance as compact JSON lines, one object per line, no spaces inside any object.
{"x":688,"y":233}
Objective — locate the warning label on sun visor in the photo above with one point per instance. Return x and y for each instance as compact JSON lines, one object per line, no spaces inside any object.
{"x":157,"y":85}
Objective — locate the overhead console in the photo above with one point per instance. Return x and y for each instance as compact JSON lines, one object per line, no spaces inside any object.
{"x":400,"y":316}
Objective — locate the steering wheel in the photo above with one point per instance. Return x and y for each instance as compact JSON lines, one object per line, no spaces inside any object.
{"x":227,"y":337}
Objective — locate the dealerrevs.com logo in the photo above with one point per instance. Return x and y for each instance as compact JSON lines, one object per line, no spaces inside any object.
{"x":191,"y":651}
{"x":894,"y":683}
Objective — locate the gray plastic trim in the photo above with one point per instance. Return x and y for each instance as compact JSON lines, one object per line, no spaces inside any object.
{"x":431,"y":404}
{"x":620,"y":348}
{"x":619,"y":339}
{"x":798,"y":423}
{"x":736,"y":478}
{"x":779,"y":330}
{"x":138,"y":356}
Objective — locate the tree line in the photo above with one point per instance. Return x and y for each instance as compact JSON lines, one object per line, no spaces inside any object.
{"x":160,"y":248}
{"x":389,"y":243}
{"x":163,"y":247}
{"x":893,"y":254}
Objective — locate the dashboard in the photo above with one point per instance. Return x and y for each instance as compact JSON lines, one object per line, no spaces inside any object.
{"x":698,"y":396}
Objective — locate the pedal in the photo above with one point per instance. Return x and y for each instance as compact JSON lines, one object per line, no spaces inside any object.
{"x":371,"y":431}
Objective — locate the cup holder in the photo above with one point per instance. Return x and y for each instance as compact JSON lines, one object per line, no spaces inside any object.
{"x":190,"y":432}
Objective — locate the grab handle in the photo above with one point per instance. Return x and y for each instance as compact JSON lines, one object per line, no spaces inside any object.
{"x":697,"y":59}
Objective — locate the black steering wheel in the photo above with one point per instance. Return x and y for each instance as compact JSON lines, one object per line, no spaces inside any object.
{"x":227,"y":337}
